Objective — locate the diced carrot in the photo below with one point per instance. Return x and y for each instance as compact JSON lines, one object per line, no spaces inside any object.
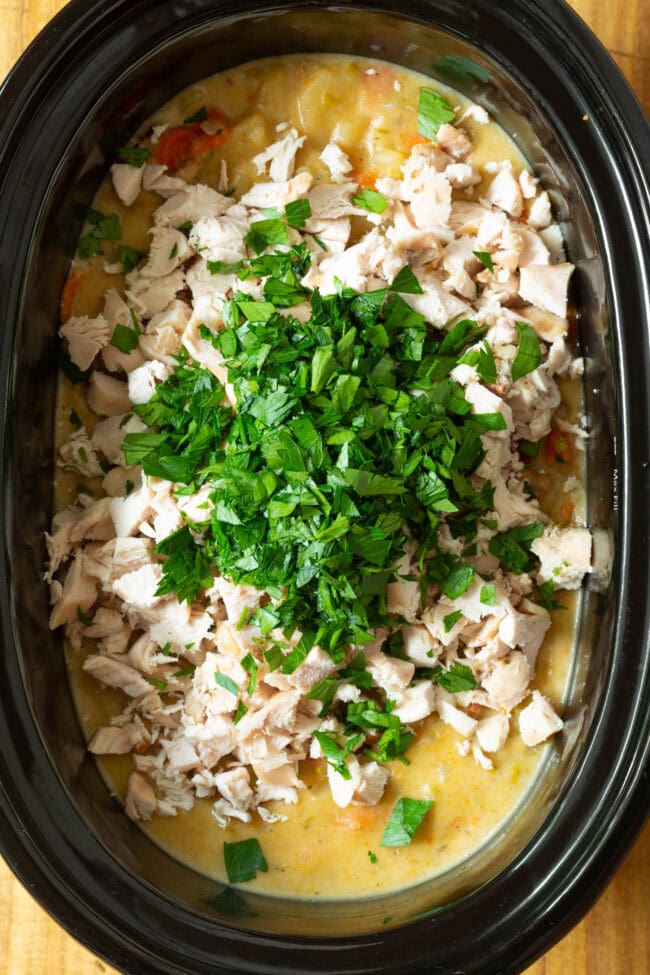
{"x":364,"y":179}
{"x":69,"y":292}
{"x":409,"y":140}
{"x":175,"y":145}
{"x":558,"y":448}
{"x":357,"y":818}
{"x":187,"y":141}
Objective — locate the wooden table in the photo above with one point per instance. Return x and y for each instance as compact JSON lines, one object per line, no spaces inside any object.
{"x":614,"y":938}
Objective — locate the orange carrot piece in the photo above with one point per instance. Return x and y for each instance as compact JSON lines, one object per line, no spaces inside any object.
{"x":185,"y":141}
{"x":408,"y":141}
{"x":365,"y":179}
{"x":558,"y":448}
{"x":68,"y":295}
{"x":357,"y":818}
{"x":174,"y":146}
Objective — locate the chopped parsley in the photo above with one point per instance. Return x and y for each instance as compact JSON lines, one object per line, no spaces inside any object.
{"x":125,"y":338}
{"x":129,"y":257}
{"x":349,"y":437}
{"x":249,"y":664}
{"x":450,"y":620}
{"x":199,"y":116}
{"x":458,"y":66}
{"x":458,"y":678}
{"x":104,"y":228}
{"x":265,"y":233}
{"x":433,"y":111}
{"x":373,"y":857}
{"x":488,"y":594}
{"x":529,"y":353}
{"x":406,"y":282}
{"x":227,"y":683}
{"x":243,"y":860}
{"x":394,"y":739}
{"x":334,"y":754}
{"x":529,"y":448}
{"x":81,"y":616}
{"x":370,"y":200}
{"x":298,"y":212}
{"x":485,"y":258}
{"x":405,"y":819}
{"x":512,"y":547}
{"x":544,"y":596}
{"x":134,"y":155}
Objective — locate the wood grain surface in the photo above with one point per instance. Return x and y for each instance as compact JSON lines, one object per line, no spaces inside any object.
{"x":614,"y":938}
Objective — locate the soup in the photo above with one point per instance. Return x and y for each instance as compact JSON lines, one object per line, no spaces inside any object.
{"x":422,"y":703}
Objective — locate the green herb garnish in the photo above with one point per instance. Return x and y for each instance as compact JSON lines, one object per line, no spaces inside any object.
{"x":433,"y":111}
{"x":199,"y":116}
{"x":370,"y":200}
{"x":134,"y":155}
{"x":485,"y":258}
{"x":227,"y":683}
{"x":243,"y":860}
{"x":405,"y":819}
{"x":529,"y":353}
{"x":512,"y":547}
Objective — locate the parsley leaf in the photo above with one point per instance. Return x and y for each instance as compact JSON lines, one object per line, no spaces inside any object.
{"x":370,"y":200}
{"x":200,"y":115}
{"x":186,"y":569}
{"x":485,"y":258}
{"x":336,"y":755}
{"x":488,"y":594}
{"x":227,"y":683}
{"x":243,"y":859}
{"x":124,"y":338}
{"x":83,"y":618}
{"x":249,"y":663}
{"x":458,"y":66}
{"x":458,"y":678}
{"x":433,"y":111}
{"x":451,"y":619}
{"x":129,"y":257}
{"x":134,"y":155}
{"x":298,"y":212}
{"x":512,"y":547}
{"x":406,"y":282}
{"x":264,"y":233}
{"x":405,"y":819}
{"x":529,"y":354}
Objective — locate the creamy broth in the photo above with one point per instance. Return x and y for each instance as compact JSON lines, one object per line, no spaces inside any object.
{"x":374,"y":119}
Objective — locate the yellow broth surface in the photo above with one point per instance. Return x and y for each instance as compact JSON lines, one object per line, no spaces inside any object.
{"x":321,"y":850}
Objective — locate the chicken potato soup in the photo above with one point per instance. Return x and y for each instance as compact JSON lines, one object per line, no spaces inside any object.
{"x":319,"y":477}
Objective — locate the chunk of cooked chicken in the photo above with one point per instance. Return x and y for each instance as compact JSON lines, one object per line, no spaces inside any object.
{"x":116,"y":740}
{"x":140,"y":800}
{"x":115,"y":673}
{"x":507,"y":682}
{"x":565,"y":556}
{"x":546,"y":286}
{"x":127,"y":181}
{"x":336,"y":161}
{"x":538,"y":721}
{"x":263,"y":195}
{"x":281,"y":156}
{"x":86,"y":337}
{"x":108,"y":396}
